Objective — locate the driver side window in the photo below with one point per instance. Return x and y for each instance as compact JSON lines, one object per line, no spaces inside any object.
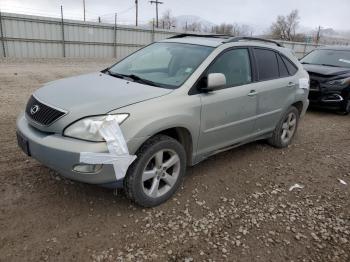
{"x":235,"y":65}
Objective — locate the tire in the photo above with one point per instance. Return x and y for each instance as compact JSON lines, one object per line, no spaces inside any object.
{"x":345,"y":109}
{"x":286,"y":128}
{"x":157,"y":172}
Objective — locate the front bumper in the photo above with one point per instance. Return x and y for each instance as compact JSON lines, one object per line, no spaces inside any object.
{"x":326,"y":99}
{"x":62,"y":154}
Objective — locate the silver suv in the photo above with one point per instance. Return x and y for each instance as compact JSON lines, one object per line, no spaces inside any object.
{"x":177,"y":102}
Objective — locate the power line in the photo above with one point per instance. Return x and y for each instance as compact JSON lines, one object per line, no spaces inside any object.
{"x":156,"y":2}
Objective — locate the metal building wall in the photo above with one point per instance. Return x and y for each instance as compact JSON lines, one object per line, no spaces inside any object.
{"x":42,"y":37}
{"x":34,"y":36}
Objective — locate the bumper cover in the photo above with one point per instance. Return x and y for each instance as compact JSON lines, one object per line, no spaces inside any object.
{"x":328,"y":99}
{"x":62,"y":154}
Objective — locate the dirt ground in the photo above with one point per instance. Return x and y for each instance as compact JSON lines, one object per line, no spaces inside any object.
{"x":236,"y":206}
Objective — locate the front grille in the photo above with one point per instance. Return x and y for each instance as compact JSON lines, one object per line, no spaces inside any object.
{"x":41,"y":113}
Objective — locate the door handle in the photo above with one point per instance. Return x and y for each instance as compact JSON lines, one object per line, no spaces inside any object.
{"x":252,"y":93}
{"x":291,"y":84}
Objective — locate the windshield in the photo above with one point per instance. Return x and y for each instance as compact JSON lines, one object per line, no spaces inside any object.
{"x":162,"y":64}
{"x":338,"y":58}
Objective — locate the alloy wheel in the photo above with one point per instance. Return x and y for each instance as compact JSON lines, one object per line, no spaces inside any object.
{"x":161,"y":173}
{"x":289,"y":127}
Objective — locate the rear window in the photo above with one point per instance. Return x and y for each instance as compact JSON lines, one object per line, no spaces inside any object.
{"x":267,"y":64}
{"x":292,"y":69}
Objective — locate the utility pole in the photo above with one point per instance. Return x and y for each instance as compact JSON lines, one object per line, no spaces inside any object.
{"x":137,"y":12}
{"x":2,"y":37}
{"x":84,"y":9}
{"x":115,"y":36}
{"x":156,"y":2}
{"x":318,"y":35}
{"x":62,"y":30}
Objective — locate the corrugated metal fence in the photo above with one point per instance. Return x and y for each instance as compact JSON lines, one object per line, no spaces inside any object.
{"x":43,"y":37}
{"x":300,"y":49}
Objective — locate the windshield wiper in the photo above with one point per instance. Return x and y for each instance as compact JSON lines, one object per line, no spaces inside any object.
{"x":135,"y":78}
{"x":330,"y":65}
{"x":141,"y":80}
{"x":306,"y":63}
{"x":115,"y":74}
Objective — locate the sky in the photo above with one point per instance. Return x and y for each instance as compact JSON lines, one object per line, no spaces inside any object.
{"x":260,"y":13}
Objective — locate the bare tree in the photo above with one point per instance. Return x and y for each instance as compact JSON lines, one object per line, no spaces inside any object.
{"x":195,"y":27}
{"x":233,"y":29}
{"x":242,"y":30}
{"x":225,"y":29}
{"x":167,"y":20}
{"x":285,"y":26}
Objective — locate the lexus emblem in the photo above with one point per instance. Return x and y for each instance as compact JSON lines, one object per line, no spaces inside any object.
{"x":34,"y":109}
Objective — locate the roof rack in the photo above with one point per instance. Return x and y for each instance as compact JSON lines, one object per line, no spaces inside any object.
{"x":240,"y":38}
{"x":229,"y":38}
{"x":198,"y":35}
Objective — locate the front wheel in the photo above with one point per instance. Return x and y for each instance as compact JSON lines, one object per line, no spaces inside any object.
{"x":157,"y":172}
{"x":345,"y":109}
{"x":286,"y":128}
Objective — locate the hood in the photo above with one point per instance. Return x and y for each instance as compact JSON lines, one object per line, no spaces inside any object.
{"x":95,"y":93}
{"x":91,"y":94}
{"x":326,"y":70}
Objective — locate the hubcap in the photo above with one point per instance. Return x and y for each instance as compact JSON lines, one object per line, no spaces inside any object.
{"x":288,"y":127}
{"x":161,"y":173}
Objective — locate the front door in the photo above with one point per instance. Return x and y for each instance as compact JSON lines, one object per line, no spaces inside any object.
{"x":228,"y":115}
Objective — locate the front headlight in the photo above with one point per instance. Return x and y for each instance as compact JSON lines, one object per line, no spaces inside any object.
{"x":339,"y":82}
{"x":85,"y":128}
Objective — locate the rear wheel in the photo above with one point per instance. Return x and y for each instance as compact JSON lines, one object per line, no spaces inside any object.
{"x":286,"y":128}
{"x":157,"y":172}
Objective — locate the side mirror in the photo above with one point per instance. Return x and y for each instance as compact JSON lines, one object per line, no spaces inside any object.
{"x":215,"y":81}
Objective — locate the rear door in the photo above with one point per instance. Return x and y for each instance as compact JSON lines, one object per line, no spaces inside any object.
{"x":276,"y":88}
{"x":228,"y":115}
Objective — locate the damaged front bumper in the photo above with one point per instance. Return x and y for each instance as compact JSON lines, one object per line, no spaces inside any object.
{"x":326,"y":99}
{"x":62,"y":154}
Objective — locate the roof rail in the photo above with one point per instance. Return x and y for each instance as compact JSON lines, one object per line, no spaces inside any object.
{"x":240,"y":38}
{"x":198,"y":35}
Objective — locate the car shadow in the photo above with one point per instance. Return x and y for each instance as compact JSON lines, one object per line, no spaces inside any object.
{"x":323,"y":111}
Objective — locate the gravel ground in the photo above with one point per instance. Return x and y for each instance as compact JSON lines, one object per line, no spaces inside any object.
{"x":236,"y":206}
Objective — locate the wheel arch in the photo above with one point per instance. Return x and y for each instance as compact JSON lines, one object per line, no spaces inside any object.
{"x":300,"y":106}
{"x":183,"y":136}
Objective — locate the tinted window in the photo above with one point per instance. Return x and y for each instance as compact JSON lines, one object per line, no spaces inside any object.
{"x":235,"y":65}
{"x":292,"y":69}
{"x":267,"y":65}
{"x":282,"y":67}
